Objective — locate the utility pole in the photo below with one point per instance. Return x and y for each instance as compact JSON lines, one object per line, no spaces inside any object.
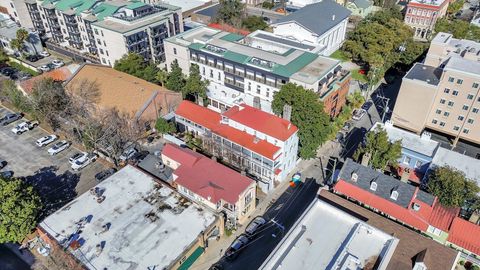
{"x":278,"y":225}
{"x":385,"y":107}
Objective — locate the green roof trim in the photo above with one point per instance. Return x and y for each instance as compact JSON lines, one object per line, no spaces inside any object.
{"x":191,"y":259}
{"x":195,"y":46}
{"x":295,"y":65}
{"x":104,"y":10}
{"x":232,"y":37}
{"x":236,"y":57}
{"x":135,"y":5}
{"x":88,"y":4}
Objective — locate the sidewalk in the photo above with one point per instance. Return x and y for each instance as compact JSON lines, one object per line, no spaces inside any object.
{"x":216,"y":249}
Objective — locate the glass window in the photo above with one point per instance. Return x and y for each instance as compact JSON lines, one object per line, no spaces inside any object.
{"x":174,"y":50}
{"x":459,"y":81}
{"x":451,"y":103}
{"x":406,"y":160}
{"x":455,"y":93}
{"x":442,"y":124}
{"x":475,"y":110}
{"x":470,"y":120}
{"x":460,"y":117}
{"x":434,"y":121}
{"x":465,"y":107}
{"x":466,"y":130}
{"x":456,"y":128}
{"x":469,"y":96}
{"x":451,"y":79}
{"x":438,"y":111}
{"x":418,"y":164}
{"x":475,"y":85}
{"x":446,"y":114}
{"x":442,"y":101}
{"x":446,"y":90}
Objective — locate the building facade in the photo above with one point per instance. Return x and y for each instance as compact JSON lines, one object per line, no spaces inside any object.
{"x":442,"y":95}
{"x":8,"y":32}
{"x":422,"y":15}
{"x":104,"y":31}
{"x":211,"y":184}
{"x":260,"y":144}
{"x":18,"y":11}
{"x":251,"y":69}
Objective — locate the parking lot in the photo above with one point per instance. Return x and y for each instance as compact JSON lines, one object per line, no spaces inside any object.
{"x":50,"y":175}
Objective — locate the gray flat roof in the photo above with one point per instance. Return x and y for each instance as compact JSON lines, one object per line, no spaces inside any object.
{"x":210,"y":11}
{"x":424,"y":73}
{"x":151,"y":165}
{"x":458,"y":63}
{"x":468,"y":165}
{"x":285,"y":41}
{"x":318,"y":17}
{"x":148,"y":224}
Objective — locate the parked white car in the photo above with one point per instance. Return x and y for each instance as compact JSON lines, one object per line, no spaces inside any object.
{"x":358,"y":114}
{"x":24,"y":126}
{"x":46,"y":140}
{"x":77,"y":156}
{"x":84,"y":161}
{"x":45,"y":68}
{"x":58,"y":147}
{"x":58,"y":63}
{"x":128,"y":153}
{"x":44,"y":54}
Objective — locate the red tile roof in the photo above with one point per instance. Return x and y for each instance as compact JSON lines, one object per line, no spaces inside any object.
{"x":211,"y":120}
{"x":61,"y":74}
{"x":405,"y":215}
{"x":183,"y":157}
{"x":465,"y":234}
{"x":261,"y":121}
{"x":206,"y":177}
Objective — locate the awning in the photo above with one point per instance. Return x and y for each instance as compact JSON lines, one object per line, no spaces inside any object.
{"x":190,"y":260}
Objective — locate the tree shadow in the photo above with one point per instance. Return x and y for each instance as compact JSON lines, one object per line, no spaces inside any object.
{"x":55,"y":190}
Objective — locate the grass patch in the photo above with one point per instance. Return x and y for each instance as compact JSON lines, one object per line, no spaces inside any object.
{"x":356,"y":75}
{"x":340,"y":55}
{"x":23,"y":68}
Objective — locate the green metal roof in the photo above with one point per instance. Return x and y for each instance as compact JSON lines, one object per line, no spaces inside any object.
{"x":295,"y":65}
{"x":236,"y":57}
{"x":232,"y":37}
{"x":103,"y":10}
{"x":191,"y":259}
{"x":135,"y":5}
{"x":88,"y":4}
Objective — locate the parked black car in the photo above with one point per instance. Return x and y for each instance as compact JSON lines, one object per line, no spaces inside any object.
{"x":367,"y":105}
{"x":235,"y":248}
{"x":33,"y":58}
{"x":7,"y":71}
{"x":10,"y":118}
{"x":3,"y":163}
{"x":6,"y":174}
{"x":137,"y":157}
{"x":104,"y":174}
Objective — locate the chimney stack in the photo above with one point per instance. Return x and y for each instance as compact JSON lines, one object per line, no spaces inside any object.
{"x":365,"y":159}
{"x":405,"y":175}
{"x":287,"y":112}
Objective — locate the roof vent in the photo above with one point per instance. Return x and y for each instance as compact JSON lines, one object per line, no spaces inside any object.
{"x":373,"y":186}
{"x":333,"y":17}
{"x":394,"y":195}
{"x":354,"y":177}
{"x":416,"y":207}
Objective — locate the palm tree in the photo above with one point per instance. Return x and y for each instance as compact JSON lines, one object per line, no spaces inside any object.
{"x":162,"y":77}
{"x":16,"y":44}
{"x":19,"y":42}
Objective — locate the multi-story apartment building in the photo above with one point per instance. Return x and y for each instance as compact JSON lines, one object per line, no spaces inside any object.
{"x":17,"y":10}
{"x":106,"y":30}
{"x":210,"y":183}
{"x":261,"y":144}
{"x":422,"y":15}
{"x":442,"y":94}
{"x":250,"y":69}
{"x":8,"y":32}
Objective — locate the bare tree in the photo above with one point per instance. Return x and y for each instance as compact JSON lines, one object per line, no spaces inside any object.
{"x":49,"y":101}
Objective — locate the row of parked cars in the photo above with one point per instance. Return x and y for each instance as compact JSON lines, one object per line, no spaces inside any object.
{"x":241,"y":241}
{"x":14,"y":73}
{"x":53,"y":65}
{"x":36,"y":57}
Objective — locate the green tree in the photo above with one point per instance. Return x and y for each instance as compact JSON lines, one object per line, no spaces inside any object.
{"x":163,"y":126}
{"x":307,"y":114}
{"x":161,"y":76}
{"x":10,"y":92}
{"x":458,"y":28}
{"x":19,"y":42}
{"x":451,"y":186}
{"x":175,"y":79}
{"x":455,"y":6}
{"x":382,"y":152}
{"x":356,"y":99}
{"x":16,"y":44}
{"x":3,"y":56}
{"x":131,"y":63}
{"x":381,"y":41}
{"x":195,"y":86}
{"x":150,"y":73}
{"x":49,"y":101}
{"x":19,"y":209}
{"x":268,"y":5}
{"x":231,"y":12}
{"x":253,"y":23}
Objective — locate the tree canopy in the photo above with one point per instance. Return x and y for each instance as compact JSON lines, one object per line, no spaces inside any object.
{"x":231,"y":12}
{"x":175,"y":79}
{"x":451,"y":186}
{"x":253,"y":23}
{"x":307,"y":114}
{"x":163,"y":126}
{"x":194,"y":85}
{"x":458,"y":28}
{"x":382,"y":40}
{"x":134,"y":64}
{"x":382,"y":152}
{"x":48,"y":101}
{"x":19,"y":209}
{"x":455,"y":6}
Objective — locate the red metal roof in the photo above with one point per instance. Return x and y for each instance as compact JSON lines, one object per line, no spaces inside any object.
{"x":443,"y":217}
{"x":183,"y":157}
{"x":465,"y":234}
{"x":206,"y":177}
{"x":405,"y":215}
{"x":259,"y":120}
{"x":60,"y":75}
{"x":211,"y":120}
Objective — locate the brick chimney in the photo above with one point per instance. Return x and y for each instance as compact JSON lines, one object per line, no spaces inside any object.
{"x":365,"y":159}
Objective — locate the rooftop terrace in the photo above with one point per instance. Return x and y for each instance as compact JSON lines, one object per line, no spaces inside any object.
{"x":129,"y":222}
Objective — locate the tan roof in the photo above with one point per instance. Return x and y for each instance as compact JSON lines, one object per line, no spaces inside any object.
{"x":411,"y":244}
{"x":127,"y":93}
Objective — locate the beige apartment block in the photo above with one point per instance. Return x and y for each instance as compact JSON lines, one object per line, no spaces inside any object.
{"x":442,"y":94}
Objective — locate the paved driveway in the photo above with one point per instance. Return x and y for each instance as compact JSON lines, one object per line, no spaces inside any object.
{"x":50,"y":175}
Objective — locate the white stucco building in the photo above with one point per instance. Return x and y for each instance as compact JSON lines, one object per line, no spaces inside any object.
{"x":322,"y":23}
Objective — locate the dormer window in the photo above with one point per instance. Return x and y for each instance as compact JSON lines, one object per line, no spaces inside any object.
{"x":416,"y":206}
{"x":354,"y":177}
{"x":373,"y":185}
{"x":394,"y":195}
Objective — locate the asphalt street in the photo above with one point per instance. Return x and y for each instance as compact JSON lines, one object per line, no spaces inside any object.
{"x":285,"y":211}
{"x":9,"y":261}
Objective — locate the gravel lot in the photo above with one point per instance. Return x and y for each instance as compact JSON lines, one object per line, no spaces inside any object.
{"x":50,"y":175}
